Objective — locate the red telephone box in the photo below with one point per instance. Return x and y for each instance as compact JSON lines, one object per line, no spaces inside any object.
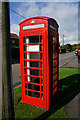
{"x":39,"y":43}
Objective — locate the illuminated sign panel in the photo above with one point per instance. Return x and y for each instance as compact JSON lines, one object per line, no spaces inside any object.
{"x":33,"y":26}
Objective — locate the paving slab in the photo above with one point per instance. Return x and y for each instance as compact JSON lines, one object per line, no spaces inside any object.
{"x":72,"y":108}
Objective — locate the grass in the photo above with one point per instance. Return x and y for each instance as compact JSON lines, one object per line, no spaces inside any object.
{"x":68,"y":84}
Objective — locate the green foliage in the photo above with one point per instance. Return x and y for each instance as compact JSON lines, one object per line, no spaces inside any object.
{"x":70,"y":47}
{"x":73,"y":48}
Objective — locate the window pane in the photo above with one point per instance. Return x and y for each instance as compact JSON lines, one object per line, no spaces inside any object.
{"x":34,"y":94}
{"x":54,"y":83}
{"x":25,"y":85}
{"x":24,"y":48}
{"x":26,"y":92}
{"x":23,"y":39}
{"x":40,"y":38}
{"x":54,"y":54}
{"x":41,"y":65}
{"x":24,"y":70}
{"x":41,"y":80}
{"x":33,"y":64}
{"x":33,"y":79}
{"x":24,"y":63}
{"x":34,"y":87}
{"x":34,"y":56}
{"x":54,"y":40}
{"x":25,"y":78}
{"x":41,"y":95}
{"x":41,"y":88}
{"x":53,"y":47}
{"x":24,"y":55}
{"x":33,"y":72}
{"x":41,"y":72}
{"x":41,"y":56}
{"x":54,"y":77}
{"x":40,"y":47}
{"x":54,"y":69}
{"x":54,"y":63}
{"x":32,"y":39}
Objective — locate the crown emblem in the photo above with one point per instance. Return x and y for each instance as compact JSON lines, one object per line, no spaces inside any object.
{"x":33,"y":21}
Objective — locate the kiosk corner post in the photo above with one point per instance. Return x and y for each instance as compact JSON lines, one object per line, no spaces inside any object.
{"x":7,"y":90}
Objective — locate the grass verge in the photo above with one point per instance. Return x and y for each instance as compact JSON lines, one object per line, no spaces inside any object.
{"x":68,"y":84}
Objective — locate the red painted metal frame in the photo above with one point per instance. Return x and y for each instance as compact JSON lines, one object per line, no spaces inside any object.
{"x":32,"y":100}
{"x":47,"y":73}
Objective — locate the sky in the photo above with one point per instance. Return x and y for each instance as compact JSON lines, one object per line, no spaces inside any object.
{"x":65,"y":13}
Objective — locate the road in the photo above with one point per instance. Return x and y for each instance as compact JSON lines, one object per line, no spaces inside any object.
{"x":63,"y":58}
{"x":68,"y":60}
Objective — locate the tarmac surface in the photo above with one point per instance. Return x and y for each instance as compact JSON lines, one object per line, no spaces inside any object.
{"x":72,"y":108}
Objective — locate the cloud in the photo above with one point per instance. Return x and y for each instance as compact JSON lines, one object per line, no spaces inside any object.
{"x":66,"y":14}
{"x":14,"y":29}
{"x":28,"y":9}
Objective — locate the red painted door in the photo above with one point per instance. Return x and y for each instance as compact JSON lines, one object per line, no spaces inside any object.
{"x":33,"y":78}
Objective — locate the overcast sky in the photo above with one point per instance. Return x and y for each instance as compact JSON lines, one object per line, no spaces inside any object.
{"x":65,"y":13}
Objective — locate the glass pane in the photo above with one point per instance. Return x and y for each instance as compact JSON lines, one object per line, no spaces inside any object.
{"x":40,"y":38}
{"x":41,"y":95}
{"x":53,"y":47}
{"x":41,"y":65}
{"x":41,"y":72}
{"x":33,"y":72}
{"x":34,"y":87}
{"x":54,"y":69}
{"x":33,"y":79}
{"x":41,"y":88}
{"x":24,"y":55}
{"x":24,"y":48}
{"x":41,"y":80}
{"x":32,"y":39}
{"x":54,"y":83}
{"x":23,"y":39}
{"x":40,"y":47}
{"x":25,"y":85}
{"x":25,"y":78}
{"x":33,"y":64}
{"x":54,"y":63}
{"x":41,"y":56}
{"x":54,"y":77}
{"x":24,"y":70}
{"x":34,"y":56}
{"x":26,"y":92}
{"x":34,"y":94}
{"x":24,"y":63}
{"x":54,"y":54}
{"x":54,"y":40}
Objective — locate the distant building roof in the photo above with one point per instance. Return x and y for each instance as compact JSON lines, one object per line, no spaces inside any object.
{"x":14,"y":36}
